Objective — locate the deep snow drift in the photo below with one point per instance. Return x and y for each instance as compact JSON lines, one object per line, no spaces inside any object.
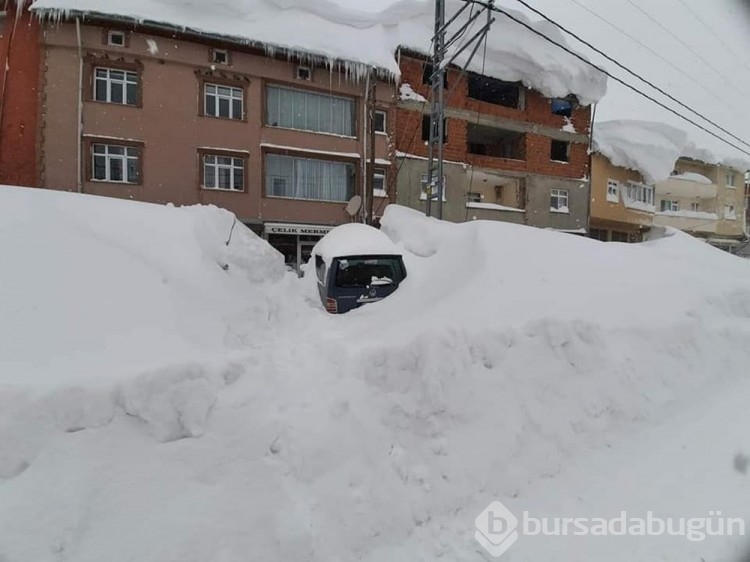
{"x":167,"y":397}
{"x":351,"y":31}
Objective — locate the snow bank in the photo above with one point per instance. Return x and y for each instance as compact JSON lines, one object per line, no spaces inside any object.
{"x":360,"y":36}
{"x":513,"y":363}
{"x":647,"y":147}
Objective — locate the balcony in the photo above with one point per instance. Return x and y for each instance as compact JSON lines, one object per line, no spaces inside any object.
{"x":688,"y":221}
{"x":688,"y":186}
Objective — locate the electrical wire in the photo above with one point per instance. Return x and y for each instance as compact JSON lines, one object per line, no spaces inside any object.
{"x":688,"y":47}
{"x":704,"y":87}
{"x":631,"y":72}
{"x":616,"y":79}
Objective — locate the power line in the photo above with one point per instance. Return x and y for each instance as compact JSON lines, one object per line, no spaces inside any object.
{"x":632,"y":73}
{"x":718,"y":37}
{"x":688,"y":47}
{"x":650,"y":50}
{"x":615,"y":78}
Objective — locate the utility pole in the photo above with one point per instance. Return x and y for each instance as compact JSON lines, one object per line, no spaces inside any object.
{"x":444,"y":53}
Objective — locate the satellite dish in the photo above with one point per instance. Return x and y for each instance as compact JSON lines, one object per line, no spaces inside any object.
{"x":354,"y":205}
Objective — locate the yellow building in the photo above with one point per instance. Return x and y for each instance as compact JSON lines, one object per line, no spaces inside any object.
{"x":705,"y":200}
{"x":622,"y":205}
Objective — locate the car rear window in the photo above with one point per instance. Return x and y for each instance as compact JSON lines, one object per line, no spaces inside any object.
{"x":362,"y":272}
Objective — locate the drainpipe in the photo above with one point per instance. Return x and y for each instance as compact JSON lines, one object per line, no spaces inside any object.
{"x":80,"y":107}
{"x":365,"y":136}
{"x":591,"y":171}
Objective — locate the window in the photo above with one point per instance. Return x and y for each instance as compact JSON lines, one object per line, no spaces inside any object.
{"x":730,"y":212}
{"x":694,"y":207}
{"x":729,"y":178}
{"x":560,"y":151}
{"x":304,"y":73}
{"x":223,"y":101}
{"x":561,"y":107}
{"x":219,"y":56}
{"x":115,"y":163}
{"x":491,"y":90}
{"x":309,"y":111}
{"x":116,"y":38}
{"x":115,"y":86}
{"x":559,"y":201}
{"x":223,"y":172}
{"x":473,"y":197}
{"x":307,"y":178}
{"x":618,"y":236}
{"x":427,"y":73}
{"x":669,"y":206}
{"x":426,"y":187}
{"x":380,"y":121}
{"x":613,"y":191}
{"x":359,"y":272}
{"x":599,"y":234}
{"x":379,"y":183}
{"x":640,"y":193}
{"x":426,"y":129}
{"x":499,"y":143}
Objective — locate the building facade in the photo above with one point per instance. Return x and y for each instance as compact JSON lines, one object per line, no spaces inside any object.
{"x":510,"y":153}
{"x":705,"y":200}
{"x":165,"y":116}
{"x":622,"y":204}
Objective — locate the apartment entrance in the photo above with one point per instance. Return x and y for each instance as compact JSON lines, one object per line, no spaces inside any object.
{"x":294,"y":241}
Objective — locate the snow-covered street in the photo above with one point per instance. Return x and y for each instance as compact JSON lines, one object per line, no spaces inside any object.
{"x":166,"y":396}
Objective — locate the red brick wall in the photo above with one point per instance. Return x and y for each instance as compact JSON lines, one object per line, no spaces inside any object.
{"x":537,"y":110}
{"x":20,"y":48}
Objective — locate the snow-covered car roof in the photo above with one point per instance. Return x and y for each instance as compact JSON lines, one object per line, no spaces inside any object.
{"x":355,"y":239}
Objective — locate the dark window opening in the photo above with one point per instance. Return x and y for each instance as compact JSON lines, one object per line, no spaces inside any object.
{"x":426,"y":129}
{"x":618,"y":236}
{"x":379,"y":121}
{"x":427,"y":73}
{"x":560,"y":151}
{"x":491,"y":90}
{"x":474,"y":197}
{"x":599,"y":234}
{"x":562,"y":107}
{"x":488,"y":141}
{"x":362,"y":272}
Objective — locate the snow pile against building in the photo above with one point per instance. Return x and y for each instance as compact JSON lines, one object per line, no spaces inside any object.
{"x":357,"y":37}
{"x":166,"y":396}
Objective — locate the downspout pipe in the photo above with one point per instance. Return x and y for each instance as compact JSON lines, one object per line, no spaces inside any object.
{"x":79,"y":161}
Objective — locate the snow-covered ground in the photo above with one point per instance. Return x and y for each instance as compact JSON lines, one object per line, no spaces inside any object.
{"x":166,"y":396}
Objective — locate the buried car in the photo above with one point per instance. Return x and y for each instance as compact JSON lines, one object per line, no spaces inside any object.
{"x":356,"y":264}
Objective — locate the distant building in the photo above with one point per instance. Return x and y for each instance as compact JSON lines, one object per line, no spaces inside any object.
{"x":622,"y":204}
{"x":705,"y":200}
{"x":511,"y":154}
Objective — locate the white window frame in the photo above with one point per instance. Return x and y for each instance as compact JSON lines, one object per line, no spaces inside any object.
{"x":129,"y":77}
{"x":695,"y":207}
{"x":385,"y":122}
{"x":129,"y":153}
{"x":422,"y":191}
{"x":210,"y":160}
{"x":674,"y":206}
{"x":641,"y":193}
{"x":115,"y":33}
{"x":470,"y":196}
{"x":380,"y":173}
{"x":730,"y":212}
{"x":613,"y":191}
{"x":212,"y":90}
{"x":350,"y":103}
{"x":558,"y":195}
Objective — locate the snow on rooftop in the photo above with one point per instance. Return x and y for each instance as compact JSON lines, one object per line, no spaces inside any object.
{"x":692,"y":176}
{"x":359,"y":35}
{"x":644,"y":146}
